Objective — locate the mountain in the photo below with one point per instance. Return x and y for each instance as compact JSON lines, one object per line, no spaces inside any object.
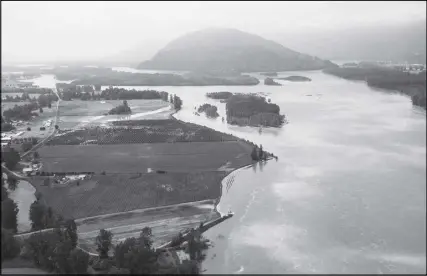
{"x":398,"y":42}
{"x":218,"y":49}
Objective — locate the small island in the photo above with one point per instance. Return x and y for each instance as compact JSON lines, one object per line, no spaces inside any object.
{"x":295,"y":78}
{"x":211,"y":111}
{"x":121,"y":109}
{"x":219,"y":95}
{"x":252,"y":110}
{"x":269,"y":74}
{"x":270,"y":81}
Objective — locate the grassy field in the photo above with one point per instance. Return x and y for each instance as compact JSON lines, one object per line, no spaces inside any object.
{"x":78,"y":113}
{"x":141,"y":131}
{"x":97,"y":108}
{"x":106,"y":194}
{"x":138,"y":158}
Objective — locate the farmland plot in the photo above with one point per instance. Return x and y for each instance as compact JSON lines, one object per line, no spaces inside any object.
{"x":141,"y":158}
{"x":107,"y":194}
{"x":142,"y":131}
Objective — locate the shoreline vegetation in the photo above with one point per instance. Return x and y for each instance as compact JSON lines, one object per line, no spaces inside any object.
{"x":413,"y":85}
{"x":295,"y":78}
{"x":107,"y":76}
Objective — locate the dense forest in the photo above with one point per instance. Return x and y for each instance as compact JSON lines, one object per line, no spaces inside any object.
{"x":253,"y":110}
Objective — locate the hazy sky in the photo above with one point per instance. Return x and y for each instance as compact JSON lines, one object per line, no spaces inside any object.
{"x":49,"y":31}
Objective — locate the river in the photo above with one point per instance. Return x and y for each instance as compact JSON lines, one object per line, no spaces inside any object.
{"x":347,"y":195}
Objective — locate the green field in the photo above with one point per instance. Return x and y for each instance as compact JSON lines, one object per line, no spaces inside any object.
{"x":141,"y":131}
{"x":135,"y":158}
{"x":106,"y":194}
{"x":97,"y":108}
{"x":78,"y":113}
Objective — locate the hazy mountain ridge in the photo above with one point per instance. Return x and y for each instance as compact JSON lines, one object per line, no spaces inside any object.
{"x":398,"y":43}
{"x":229,"y":49}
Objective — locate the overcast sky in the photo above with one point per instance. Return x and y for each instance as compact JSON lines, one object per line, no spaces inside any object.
{"x":49,"y":31}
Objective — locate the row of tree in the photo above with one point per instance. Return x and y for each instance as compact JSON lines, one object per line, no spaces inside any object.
{"x":24,"y":97}
{"x":138,"y":256}
{"x":28,"y":90}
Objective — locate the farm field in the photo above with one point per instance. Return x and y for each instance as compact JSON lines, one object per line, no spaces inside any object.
{"x":141,"y":131}
{"x":79,"y":114}
{"x":165,"y":223}
{"x":98,"y":108}
{"x":139,"y":158}
{"x":106,"y":194}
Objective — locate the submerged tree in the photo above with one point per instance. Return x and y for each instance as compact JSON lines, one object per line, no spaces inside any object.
{"x":254,"y":154}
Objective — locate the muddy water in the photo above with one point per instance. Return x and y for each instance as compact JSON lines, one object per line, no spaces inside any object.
{"x":347,"y":195}
{"x":23,"y":196}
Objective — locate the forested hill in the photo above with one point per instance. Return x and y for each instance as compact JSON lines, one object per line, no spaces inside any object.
{"x":229,"y":50}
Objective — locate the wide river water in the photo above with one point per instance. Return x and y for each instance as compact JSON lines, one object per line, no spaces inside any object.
{"x":347,"y":195}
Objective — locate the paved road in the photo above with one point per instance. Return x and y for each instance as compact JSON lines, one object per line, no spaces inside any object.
{"x":51,"y":128}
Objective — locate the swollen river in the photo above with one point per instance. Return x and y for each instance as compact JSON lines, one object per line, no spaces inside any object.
{"x":347,"y":195}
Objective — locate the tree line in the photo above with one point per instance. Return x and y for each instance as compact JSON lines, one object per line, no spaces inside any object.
{"x":219,"y":95}
{"x":25,"y":112}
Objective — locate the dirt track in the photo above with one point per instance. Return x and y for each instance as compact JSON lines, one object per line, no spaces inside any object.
{"x":165,"y":222}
